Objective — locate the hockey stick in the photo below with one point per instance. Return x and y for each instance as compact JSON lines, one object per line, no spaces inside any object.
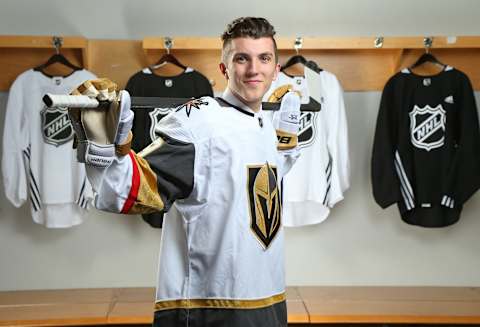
{"x":83,"y":101}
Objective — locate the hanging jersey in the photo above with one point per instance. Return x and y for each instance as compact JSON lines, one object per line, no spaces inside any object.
{"x":321,"y":174}
{"x":426,"y":151}
{"x":221,"y":251}
{"x":190,"y":84}
{"x":38,"y":160}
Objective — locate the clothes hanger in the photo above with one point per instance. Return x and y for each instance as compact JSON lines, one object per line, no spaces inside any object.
{"x":57,"y":58}
{"x":168,"y":58}
{"x":299,"y":59}
{"x":427,"y":56}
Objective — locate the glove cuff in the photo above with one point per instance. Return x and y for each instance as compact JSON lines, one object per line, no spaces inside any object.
{"x":286,"y":140}
{"x":96,"y":155}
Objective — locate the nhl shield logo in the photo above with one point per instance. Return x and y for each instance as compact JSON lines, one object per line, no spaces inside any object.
{"x":427,"y":127}
{"x":56,"y":126}
{"x":307,"y":129}
{"x":264,"y":202}
{"x":155,"y":116}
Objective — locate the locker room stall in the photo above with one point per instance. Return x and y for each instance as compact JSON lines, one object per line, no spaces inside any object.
{"x":359,"y":244}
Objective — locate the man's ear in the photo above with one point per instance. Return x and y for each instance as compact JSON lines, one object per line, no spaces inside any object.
{"x":277,"y":70}
{"x":223,"y":69}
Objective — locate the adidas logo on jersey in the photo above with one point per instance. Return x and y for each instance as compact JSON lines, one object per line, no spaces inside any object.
{"x":449,"y":99}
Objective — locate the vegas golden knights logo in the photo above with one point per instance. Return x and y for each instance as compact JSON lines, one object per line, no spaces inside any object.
{"x":264,"y":202}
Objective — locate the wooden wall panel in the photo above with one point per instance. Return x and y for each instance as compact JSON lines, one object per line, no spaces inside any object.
{"x":14,"y":61}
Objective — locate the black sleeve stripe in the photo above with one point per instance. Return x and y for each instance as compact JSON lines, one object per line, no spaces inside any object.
{"x":328,"y":173}
{"x":34,"y":183}
{"x":34,"y":205}
{"x":173,"y":163}
{"x":35,"y":198}
{"x":80,"y":195}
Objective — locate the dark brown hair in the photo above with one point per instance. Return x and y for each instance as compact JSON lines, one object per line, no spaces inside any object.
{"x":254,"y":27}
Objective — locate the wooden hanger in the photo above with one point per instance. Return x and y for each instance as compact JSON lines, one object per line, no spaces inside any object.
{"x":57,"y":58}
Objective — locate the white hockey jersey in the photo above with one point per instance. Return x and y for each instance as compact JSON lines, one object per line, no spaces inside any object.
{"x":38,"y":160}
{"x":322,"y":173}
{"x":222,"y":243}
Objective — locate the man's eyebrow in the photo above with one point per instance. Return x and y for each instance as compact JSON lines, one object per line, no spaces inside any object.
{"x":266,"y":54}
{"x":241,"y":54}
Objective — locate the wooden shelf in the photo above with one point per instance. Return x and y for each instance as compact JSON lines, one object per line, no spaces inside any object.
{"x":322,"y":43}
{"x":354,"y":60}
{"x":32,"y":42}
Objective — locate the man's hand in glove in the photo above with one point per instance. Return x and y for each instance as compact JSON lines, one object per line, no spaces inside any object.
{"x":286,"y":121}
{"x":104,"y":132}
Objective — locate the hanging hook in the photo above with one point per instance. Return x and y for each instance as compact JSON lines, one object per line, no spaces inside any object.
{"x":427,"y":42}
{"x":168,"y":43}
{"x":378,"y":43}
{"x":298,"y":44}
{"x":57,"y":43}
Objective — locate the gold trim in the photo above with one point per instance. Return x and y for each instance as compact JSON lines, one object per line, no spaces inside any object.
{"x":148,"y":198}
{"x":220,"y":303}
{"x":124,"y":148}
{"x":286,"y":140}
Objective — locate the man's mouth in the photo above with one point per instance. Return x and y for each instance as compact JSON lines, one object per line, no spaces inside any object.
{"x":253,"y":82}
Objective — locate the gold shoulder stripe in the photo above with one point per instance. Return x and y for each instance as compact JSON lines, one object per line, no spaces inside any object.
{"x":219,"y":303}
{"x":148,"y":199}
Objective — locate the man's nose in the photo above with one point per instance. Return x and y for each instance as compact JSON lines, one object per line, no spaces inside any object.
{"x":253,"y":67}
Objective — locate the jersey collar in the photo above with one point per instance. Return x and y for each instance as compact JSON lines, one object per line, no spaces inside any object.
{"x":233,"y":100}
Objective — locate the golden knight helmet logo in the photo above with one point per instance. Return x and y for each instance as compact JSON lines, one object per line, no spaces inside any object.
{"x":265,"y":203}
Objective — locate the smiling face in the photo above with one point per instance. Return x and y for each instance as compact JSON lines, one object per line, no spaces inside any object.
{"x":250,"y":66}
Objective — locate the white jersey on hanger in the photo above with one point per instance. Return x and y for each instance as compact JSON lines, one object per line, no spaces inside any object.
{"x":38,"y":160}
{"x":321,"y":175}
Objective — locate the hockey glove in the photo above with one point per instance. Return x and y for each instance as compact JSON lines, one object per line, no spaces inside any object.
{"x":102,"y":132}
{"x":286,"y":121}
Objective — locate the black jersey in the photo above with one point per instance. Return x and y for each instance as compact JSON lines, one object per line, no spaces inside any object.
{"x":146,"y":83}
{"x":426,"y":152}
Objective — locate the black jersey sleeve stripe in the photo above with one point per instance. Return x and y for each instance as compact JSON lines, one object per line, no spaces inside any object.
{"x":27,"y":154}
{"x":80,"y":195}
{"x":328,"y":173}
{"x":34,"y":193}
{"x":34,"y":182}
{"x":34,"y":204}
{"x":34,"y":197}
{"x":84,"y":203}
{"x":327,"y":192}
{"x":173,"y":164}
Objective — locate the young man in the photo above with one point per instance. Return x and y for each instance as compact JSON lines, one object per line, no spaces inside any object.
{"x":215,"y":171}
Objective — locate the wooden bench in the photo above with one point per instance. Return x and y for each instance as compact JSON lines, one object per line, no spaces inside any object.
{"x":306,"y":306}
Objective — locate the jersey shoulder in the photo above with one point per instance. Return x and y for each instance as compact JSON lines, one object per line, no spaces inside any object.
{"x":190,"y":119}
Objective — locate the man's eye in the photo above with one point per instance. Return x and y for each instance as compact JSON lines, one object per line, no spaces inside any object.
{"x":265,"y":58}
{"x":240,"y":59}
